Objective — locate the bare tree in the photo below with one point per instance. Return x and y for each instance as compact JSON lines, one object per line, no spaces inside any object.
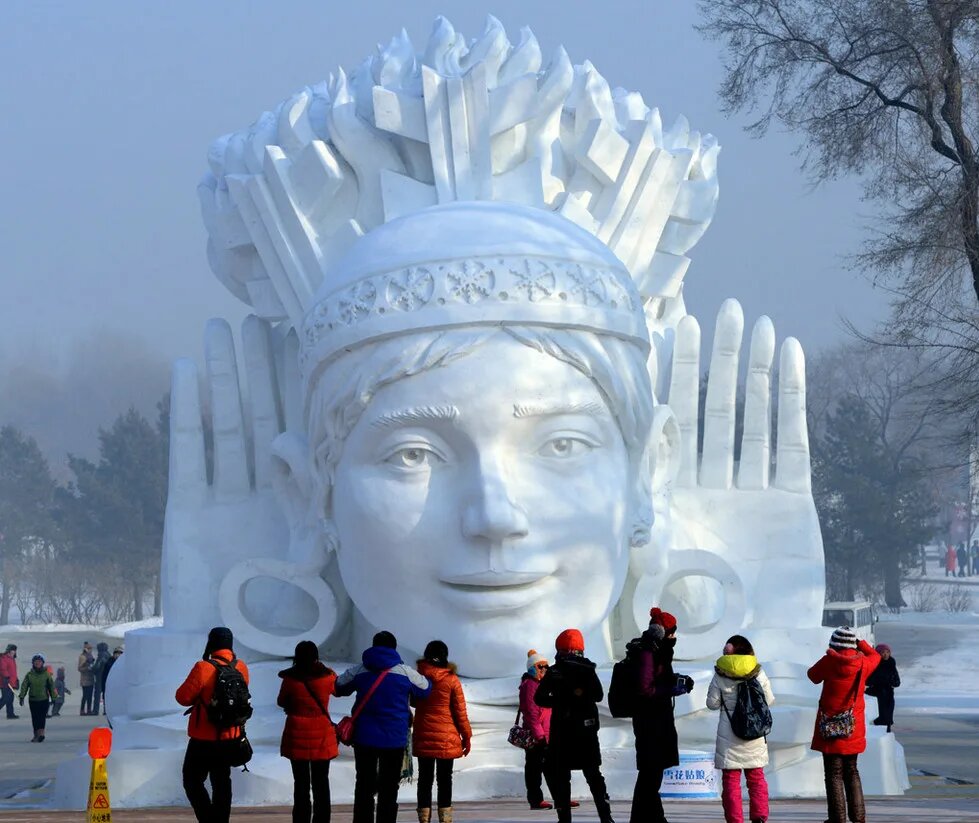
{"x":884,"y":90}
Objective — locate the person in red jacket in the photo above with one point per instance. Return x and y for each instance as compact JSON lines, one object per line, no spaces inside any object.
{"x":8,"y":680}
{"x":537,"y":720}
{"x":309,"y":739}
{"x":843,"y":671}
{"x":205,"y":754}
{"x":442,"y":732}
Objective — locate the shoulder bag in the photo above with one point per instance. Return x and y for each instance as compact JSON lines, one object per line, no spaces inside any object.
{"x":839,"y":726}
{"x":519,"y":736}
{"x":345,"y":728}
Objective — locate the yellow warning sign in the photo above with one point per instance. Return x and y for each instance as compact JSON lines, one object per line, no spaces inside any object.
{"x":98,"y":809}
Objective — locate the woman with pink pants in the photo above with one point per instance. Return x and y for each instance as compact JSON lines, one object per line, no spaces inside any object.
{"x":732,"y":754}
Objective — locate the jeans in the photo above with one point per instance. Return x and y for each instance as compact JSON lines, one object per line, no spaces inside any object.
{"x":647,"y":806}
{"x":534,"y":769}
{"x":378,"y":771}
{"x":427,"y":767}
{"x":561,"y":792}
{"x":844,"y":791}
{"x":39,"y":714}
{"x":757,"y":795}
{"x":205,"y":758}
{"x":86,"y":706}
{"x":96,"y":698}
{"x":311,"y":775}
{"x":7,"y":700}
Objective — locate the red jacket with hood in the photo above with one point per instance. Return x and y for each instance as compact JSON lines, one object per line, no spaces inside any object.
{"x":838,"y":671}
{"x":309,"y":733}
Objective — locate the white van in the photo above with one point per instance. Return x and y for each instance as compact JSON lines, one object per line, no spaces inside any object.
{"x":859,"y":615}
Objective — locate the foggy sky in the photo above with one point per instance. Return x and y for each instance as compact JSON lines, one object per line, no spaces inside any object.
{"x":104,"y":136}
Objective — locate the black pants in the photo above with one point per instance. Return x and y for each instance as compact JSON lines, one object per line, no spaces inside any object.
{"x":206,"y":758}
{"x":560,"y":786}
{"x":885,"y":708}
{"x":311,"y":775}
{"x":534,"y":768}
{"x":39,"y":713}
{"x":86,"y":706}
{"x":427,"y":768}
{"x":7,"y":700}
{"x":647,"y":806}
{"x":378,"y":771}
{"x":844,"y":791}
{"x":96,"y":697}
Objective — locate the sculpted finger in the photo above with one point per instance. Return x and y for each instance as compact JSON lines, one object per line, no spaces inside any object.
{"x":717,"y":461}
{"x":230,"y":455}
{"x":263,"y":399}
{"x":756,"y":438}
{"x":188,"y":470}
{"x":684,"y":395}
{"x":291,"y":384}
{"x":792,"y":466}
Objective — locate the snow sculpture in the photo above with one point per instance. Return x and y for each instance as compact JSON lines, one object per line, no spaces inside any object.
{"x":472,"y":409}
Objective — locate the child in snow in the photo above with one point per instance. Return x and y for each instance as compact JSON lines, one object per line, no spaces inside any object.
{"x":62,"y":689}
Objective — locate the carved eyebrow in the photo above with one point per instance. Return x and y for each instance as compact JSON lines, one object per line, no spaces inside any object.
{"x":415,"y":414}
{"x":551,"y":409}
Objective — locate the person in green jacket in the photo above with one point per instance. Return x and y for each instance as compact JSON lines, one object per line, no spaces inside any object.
{"x":38,"y":685}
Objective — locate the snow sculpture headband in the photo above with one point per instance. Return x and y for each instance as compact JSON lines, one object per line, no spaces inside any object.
{"x":303,"y":207}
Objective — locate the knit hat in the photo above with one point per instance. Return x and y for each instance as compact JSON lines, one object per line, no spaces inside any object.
{"x":533,"y":659}
{"x":570,"y":640}
{"x":385,"y":639}
{"x":843,"y":638}
{"x":661,"y":618}
{"x":880,"y":648}
{"x":220,"y":637}
{"x":437,"y":653}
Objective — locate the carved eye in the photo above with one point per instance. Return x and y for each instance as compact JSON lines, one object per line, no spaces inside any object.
{"x":563,"y":448}
{"x":414,"y":457}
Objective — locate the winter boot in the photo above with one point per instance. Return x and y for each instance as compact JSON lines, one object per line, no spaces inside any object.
{"x":445,"y":814}
{"x":424,"y":815}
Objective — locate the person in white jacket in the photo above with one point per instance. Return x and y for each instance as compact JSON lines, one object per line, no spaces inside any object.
{"x":732,"y":754}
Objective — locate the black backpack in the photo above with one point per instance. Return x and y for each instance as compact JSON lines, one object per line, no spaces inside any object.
{"x":230,"y":704}
{"x":751,"y":717}
{"x":623,"y":691}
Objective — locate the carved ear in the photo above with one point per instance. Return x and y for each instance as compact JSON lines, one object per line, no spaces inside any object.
{"x":664,"y":448}
{"x":294,"y":486}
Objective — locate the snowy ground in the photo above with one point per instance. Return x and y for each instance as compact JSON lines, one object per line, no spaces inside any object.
{"x":115,"y":630}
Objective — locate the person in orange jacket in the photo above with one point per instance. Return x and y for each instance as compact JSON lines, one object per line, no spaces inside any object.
{"x":309,"y":739}
{"x":441,"y":731}
{"x":205,"y":753}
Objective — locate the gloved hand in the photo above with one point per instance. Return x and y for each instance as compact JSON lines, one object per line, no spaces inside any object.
{"x":466,"y":746}
{"x":21,"y":701}
{"x":687,"y":683}
{"x":682,"y":685}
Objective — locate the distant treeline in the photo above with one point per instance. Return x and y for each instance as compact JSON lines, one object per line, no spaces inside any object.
{"x":86,"y":550}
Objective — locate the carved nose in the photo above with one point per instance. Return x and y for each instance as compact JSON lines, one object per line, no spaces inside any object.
{"x":492,"y":515}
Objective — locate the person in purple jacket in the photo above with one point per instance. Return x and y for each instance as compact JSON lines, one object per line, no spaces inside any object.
{"x":381,"y":730}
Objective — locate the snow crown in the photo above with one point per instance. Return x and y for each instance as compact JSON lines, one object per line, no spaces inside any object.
{"x":292,"y":196}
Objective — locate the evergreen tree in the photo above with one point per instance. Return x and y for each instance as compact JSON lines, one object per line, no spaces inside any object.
{"x":872,"y":501}
{"x":26,"y":494}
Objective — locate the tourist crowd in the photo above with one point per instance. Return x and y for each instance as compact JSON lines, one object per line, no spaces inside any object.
{"x":557,"y":724}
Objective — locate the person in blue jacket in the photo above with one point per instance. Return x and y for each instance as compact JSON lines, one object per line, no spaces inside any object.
{"x":381,"y":728}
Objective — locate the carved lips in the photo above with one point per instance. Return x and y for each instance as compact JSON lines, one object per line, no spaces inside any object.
{"x":489,"y":590}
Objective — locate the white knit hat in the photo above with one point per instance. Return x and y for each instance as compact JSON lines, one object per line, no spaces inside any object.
{"x":843,"y":638}
{"x":533,"y":659}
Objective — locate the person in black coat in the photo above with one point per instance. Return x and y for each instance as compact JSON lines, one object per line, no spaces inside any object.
{"x":881,"y":684}
{"x":572,"y":690}
{"x":657,"y":746}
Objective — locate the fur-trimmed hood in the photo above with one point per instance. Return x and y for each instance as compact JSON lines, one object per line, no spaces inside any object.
{"x":737,"y":666}
{"x":427,"y":668}
{"x":319,"y":670}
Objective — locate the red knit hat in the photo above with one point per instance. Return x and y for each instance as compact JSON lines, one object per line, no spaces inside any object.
{"x":570,"y":640}
{"x":664,"y":619}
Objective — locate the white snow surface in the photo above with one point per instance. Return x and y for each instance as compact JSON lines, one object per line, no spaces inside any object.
{"x":113,"y":630}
